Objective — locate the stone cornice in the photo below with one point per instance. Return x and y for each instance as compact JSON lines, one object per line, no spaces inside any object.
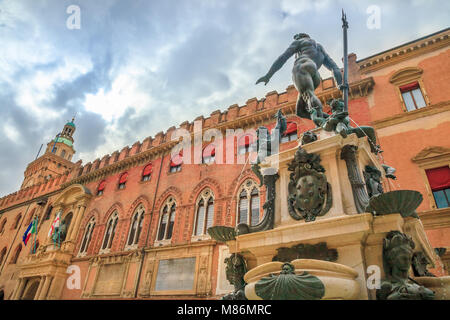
{"x":412,"y":115}
{"x":20,"y":204}
{"x":435,"y":219}
{"x":182,"y":246}
{"x":357,"y":89}
{"x":406,"y":51}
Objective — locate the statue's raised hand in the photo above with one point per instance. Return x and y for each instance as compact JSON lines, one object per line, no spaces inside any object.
{"x":264,"y":79}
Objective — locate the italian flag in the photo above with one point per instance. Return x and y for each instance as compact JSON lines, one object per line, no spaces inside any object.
{"x":54,"y":225}
{"x":30,"y":230}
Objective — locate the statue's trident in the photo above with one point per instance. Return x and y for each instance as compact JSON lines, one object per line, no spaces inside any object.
{"x":345,"y":80}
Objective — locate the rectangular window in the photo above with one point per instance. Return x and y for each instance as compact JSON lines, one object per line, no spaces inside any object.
{"x":175,"y":274}
{"x":439,"y":180}
{"x":412,"y":96}
{"x":175,"y":168}
{"x":442,"y":198}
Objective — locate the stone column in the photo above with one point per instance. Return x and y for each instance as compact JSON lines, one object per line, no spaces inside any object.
{"x":43,"y":293}
{"x":76,"y":226}
{"x":19,"y":289}
{"x":38,"y":291}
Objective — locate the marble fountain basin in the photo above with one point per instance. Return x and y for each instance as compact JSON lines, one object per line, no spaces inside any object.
{"x":323,"y":281}
{"x":440,"y":286}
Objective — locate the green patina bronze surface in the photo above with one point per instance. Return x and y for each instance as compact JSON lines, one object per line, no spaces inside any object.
{"x":398,"y":249}
{"x":308,"y":137}
{"x":339,"y":122}
{"x":318,"y":251}
{"x":404,"y":202}
{"x":64,"y":140}
{"x":222,"y":233}
{"x":290,"y":286}
{"x":236,"y":267}
{"x":372,"y":176}
{"x":309,"y":57}
{"x":309,"y":192}
{"x":420,"y":265}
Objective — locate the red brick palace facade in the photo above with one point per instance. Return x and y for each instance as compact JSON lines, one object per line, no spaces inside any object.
{"x":137,"y":219}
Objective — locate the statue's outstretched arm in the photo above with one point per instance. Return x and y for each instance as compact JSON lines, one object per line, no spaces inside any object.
{"x":332,"y":66}
{"x":279,"y":62}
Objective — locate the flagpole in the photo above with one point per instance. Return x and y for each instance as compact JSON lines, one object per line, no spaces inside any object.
{"x":31,"y":247}
{"x":35,"y":234}
{"x":345,"y":81}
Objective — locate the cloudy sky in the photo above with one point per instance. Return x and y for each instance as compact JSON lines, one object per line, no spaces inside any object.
{"x":135,"y":68}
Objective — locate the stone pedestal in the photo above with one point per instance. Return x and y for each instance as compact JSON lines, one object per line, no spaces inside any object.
{"x":357,"y":237}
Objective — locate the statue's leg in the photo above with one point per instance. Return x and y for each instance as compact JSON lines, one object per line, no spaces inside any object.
{"x":302,"y":108}
{"x":306,"y":79}
{"x":341,"y":129}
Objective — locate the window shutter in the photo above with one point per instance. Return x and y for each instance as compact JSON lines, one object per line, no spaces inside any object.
{"x":123,"y":178}
{"x":147,"y":170}
{"x":291,"y":128}
{"x":439,"y":178}
{"x":177,"y":160}
{"x":209,"y":150}
{"x":101,"y":186}
{"x":409,"y":87}
{"x":246,"y":140}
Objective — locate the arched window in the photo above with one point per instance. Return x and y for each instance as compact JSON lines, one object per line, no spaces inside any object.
{"x":101,"y":187}
{"x":291,"y":132}
{"x":204,"y":212}
{"x":147,"y":172}
{"x":30,"y":217}
{"x":16,"y":223}
{"x":2,"y":255}
{"x":209,"y":153}
{"x":48,"y":213}
{"x":110,"y":231}
{"x":16,"y":254}
{"x":67,"y":220}
{"x":248,"y":203}
{"x":63,"y":153}
{"x":87,"y":236}
{"x":123,"y":180}
{"x":2,"y":226}
{"x":136,"y":226}
{"x":167,"y":220}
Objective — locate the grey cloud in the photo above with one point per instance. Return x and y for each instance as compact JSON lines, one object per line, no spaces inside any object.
{"x":213,"y":53}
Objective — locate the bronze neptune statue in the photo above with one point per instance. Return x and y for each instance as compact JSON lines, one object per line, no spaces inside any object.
{"x":309,"y":57}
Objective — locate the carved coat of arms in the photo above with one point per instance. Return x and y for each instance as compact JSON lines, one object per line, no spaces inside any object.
{"x":309,"y":192}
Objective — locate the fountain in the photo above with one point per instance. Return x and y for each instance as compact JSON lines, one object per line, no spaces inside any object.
{"x":329,"y":230}
{"x":322,"y":235}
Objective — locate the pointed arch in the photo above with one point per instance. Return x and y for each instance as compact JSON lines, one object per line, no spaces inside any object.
{"x":140,"y":199}
{"x":117,"y":206}
{"x":234,"y":186}
{"x":174,"y":191}
{"x":211,"y":183}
